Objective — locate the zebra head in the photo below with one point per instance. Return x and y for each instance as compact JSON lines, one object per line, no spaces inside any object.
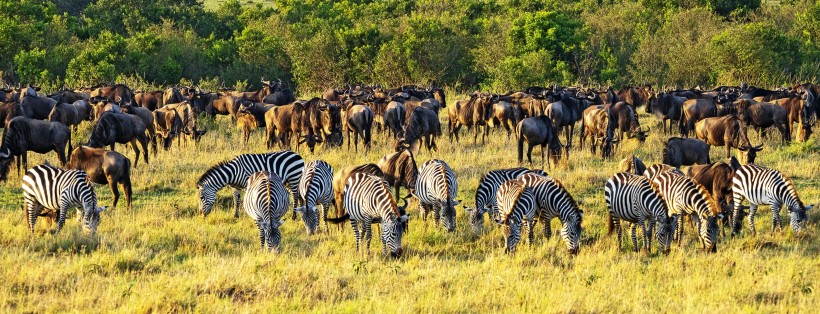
{"x":392,"y":231}
{"x":476,"y":218}
{"x":571,"y":232}
{"x":91,"y":218}
{"x":799,"y":217}
{"x":310,"y":216}
{"x":272,"y":235}
{"x":664,"y":232}
{"x":709,"y":232}
{"x":207,"y":197}
{"x":448,"y":214}
{"x":512,"y":235}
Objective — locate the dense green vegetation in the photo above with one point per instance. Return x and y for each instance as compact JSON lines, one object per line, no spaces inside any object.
{"x":495,"y":44}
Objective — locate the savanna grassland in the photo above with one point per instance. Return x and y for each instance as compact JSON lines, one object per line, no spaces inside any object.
{"x":163,"y":256}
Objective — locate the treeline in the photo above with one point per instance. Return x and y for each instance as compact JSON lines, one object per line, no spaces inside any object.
{"x":464,"y":44}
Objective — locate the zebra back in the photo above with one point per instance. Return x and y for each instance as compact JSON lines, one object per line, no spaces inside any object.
{"x":631,"y":197}
{"x":266,"y":201}
{"x":553,"y":200}
{"x":656,"y":169}
{"x":316,"y":184}
{"x":764,"y":186}
{"x":436,"y":183}
{"x":516,"y":202}
{"x":684,"y":196}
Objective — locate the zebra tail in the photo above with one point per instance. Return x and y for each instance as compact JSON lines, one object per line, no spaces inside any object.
{"x":338,"y":220}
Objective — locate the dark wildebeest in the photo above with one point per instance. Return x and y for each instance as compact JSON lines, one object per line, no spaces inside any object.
{"x":9,"y":110}
{"x":167,"y":125}
{"x":340,"y":180}
{"x":473,"y":113}
{"x":539,"y":131}
{"x":102,"y":105}
{"x":172,"y":95}
{"x":120,"y":128}
{"x":281,"y":123}
{"x":503,"y":115}
{"x":334,"y":95}
{"x":394,"y":117}
{"x":66,"y":114}
{"x":118,"y":92}
{"x":319,"y":119}
{"x":632,"y":164}
{"x":423,"y":124}
{"x":147,"y":118}
{"x":400,"y":170}
{"x":717,"y":179}
{"x":695,"y":110}
{"x":723,"y":131}
{"x":627,"y":120}
{"x":795,"y":107}
{"x":762,"y":116}
{"x":24,"y":134}
{"x":68,"y":96}
{"x":599,"y":125}
{"x":187,"y":114}
{"x":666,"y":106}
{"x":149,"y":100}
{"x":685,"y":152}
{"x":246,"y":123}
{"x":358,"y":119}
{"x":564,"y":113}
{"x":215,"y":104}
{"x":279,"y":95}
{"x":635,"y":96}
{"x":36,"y":107}
{"x":104,"y":167}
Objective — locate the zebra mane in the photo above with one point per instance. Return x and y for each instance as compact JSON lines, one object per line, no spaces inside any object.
{"x":208,"y":173}
{"x":566,"y":193}
{"x":520,"y":190}
{"x":713,"y":205}
{"x":790,"y":188}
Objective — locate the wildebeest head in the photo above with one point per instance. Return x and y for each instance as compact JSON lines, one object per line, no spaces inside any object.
{"x":246,"y":106}
{"x":5,"y":163}
{"x":749,"y":153}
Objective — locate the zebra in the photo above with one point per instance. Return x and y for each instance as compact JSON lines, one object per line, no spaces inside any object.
{"x":764,"y":186}
{"x":630,"y":197}
{"x":436,"y":186}
{"x":235,"y":172}
{"x":552,"y":200}
{"x":485,"y":201}
{"x":516,"y":210}
{"x":266,"y":201}
{"x":55,"y":191}
{"x":653,"y":171}
{"x":315,"y":188}
{"x":685,"y":197}
{"x":367,"y":199}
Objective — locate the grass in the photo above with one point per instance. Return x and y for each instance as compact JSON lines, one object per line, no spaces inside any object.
{"x":163,"y":256}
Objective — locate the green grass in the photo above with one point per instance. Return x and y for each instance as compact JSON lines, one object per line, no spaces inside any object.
{"x":163,"y":256}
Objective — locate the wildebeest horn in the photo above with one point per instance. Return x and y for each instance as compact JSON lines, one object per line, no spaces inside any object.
{"x":5,"y":153}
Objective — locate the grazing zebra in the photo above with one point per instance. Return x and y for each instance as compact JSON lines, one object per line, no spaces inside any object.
{"x":656,"y":169}
{"x":367,"y":199}
{"x":55,"y":191}
{"x":436,"y":186}
{"x":553,"y":200}
{"x":485,"y":201}
{"x":516,"y":207}
{"x":235,"y":172}
{"x":764,"y":186}
{"x":630,"y":197}
{"x":685,"y":197}
{"x":315,"y":188}
{"x":266,"y":201}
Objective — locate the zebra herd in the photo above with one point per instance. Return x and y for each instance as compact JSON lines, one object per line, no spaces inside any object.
{"x":516,"y":199}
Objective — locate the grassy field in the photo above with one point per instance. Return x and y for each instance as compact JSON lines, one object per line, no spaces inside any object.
{"x":163,"y":256}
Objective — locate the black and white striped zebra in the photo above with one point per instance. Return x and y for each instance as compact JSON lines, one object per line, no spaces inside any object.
{"x":367,"y":199}
{"x":266,"y":201}
{"x":764,"y":186}
{"x":436,"y":187}
{"x":630,"y":197}
{"x":685,"y":197}
{"x":235,"y":172}
{"x":516,"y":210}
{"x":485,"y":201}
{"x":656,"y":169}
{"x":315,"y":189}
{"x":50,"y":191}
{"x":553,"y":200}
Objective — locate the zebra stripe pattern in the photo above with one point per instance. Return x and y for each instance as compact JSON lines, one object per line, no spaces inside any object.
{"x":367,"y":199}
{"x":553,"y":200}
{"x":266,"y":201}
{"x":235,"y":172}
{"x":516,"y":210}
{"x":656,"y":169}
{"x":485,"y":194}
{"x":436,"y":187}
{"x":315,"y":189}
{"x":764,"y":186}
{"x":685,"y":197}
{"x":55,"y":190}
{"x":630,"y":197}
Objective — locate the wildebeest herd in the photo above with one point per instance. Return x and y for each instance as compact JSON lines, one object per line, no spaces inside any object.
{"x":655,"y":198}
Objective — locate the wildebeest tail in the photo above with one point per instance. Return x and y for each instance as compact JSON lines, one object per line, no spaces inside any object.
{"x":520,"y":141}
{"x":339,"y":220}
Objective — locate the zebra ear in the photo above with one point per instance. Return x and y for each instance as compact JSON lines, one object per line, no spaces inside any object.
{"x":456,"y":202}
{"x":808,"y":207}
{"x":300,"y":209}
{"x":404,"y":218}
{"x":100,"y":209}
{"x":278,"y":223}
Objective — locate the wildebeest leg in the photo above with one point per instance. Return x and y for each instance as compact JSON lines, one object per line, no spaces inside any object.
{"x":475,"y":134}
{"x":111,"y":147}
{"x":529,"y":152}
{"x":113,"y":184}
{"x":60,"y":154}
{"x":136,"y":152}
{"x":348,"y":140}
{"x":144,"y":143}
{"x":544,"y":155}
{"x":456,"y":129}
{"x":126,"y":186}
{"x":356,"y":144}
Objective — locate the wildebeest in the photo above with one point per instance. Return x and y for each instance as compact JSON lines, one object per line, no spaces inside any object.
{"x":282,"y":123}
{"x":796,"y":111}
{"x":102,"y":105}
{"x":695,"y":110}
{"x":104,"y":167}
{"x":187,"y":114}
{"x":66,"y":114}
{"x":627,"y":120}
{"x":24,"y":134}
{"x":632,"y":164}
{"x":172,"y":95}
{"x":246,"y":123}
{"x":599,"y":125}
{"x":635,"y":96}
{"x":473,"y":113}
{"x":394,"y":117}
{"x":764,"y":115}
{"x":340,"y":179}
{"x":36,"y":107}
{"x":666,"y":106}
{"x":400,"y":170}
{"x":539,"y":131}
{"x":147,"y":118}
{"x":723,"y":131}
{"x":118,"y":92}
{"x":149,"y":100}
{"x":358,"y":119}
{"x":503,"y":115}
{"x":565,"y":113}
{"x":167,"y":125}
{"x":68,"y":96}
{"x":685,"y":152}
{"x":9,"y":110}
{"x":120,"y":128}
{"x":423,"y":124}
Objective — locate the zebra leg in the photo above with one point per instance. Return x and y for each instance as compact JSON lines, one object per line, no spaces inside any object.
{"x":33,"y":209}
{"x":752,"y":211}
{"x":237,"y":202}
{"x":548,"y":229}
{"x":648,"y":227}
{"x":616,"y":223}
{"x":368,"y":235}
{"x":356,"y":235}
{"x":777,"y":223}
{"x":679,"y":228}
{"x":61,"y":219}
{"x":530,"y":224}
{"x":261,"y":235}
{"x":633,"y":231}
